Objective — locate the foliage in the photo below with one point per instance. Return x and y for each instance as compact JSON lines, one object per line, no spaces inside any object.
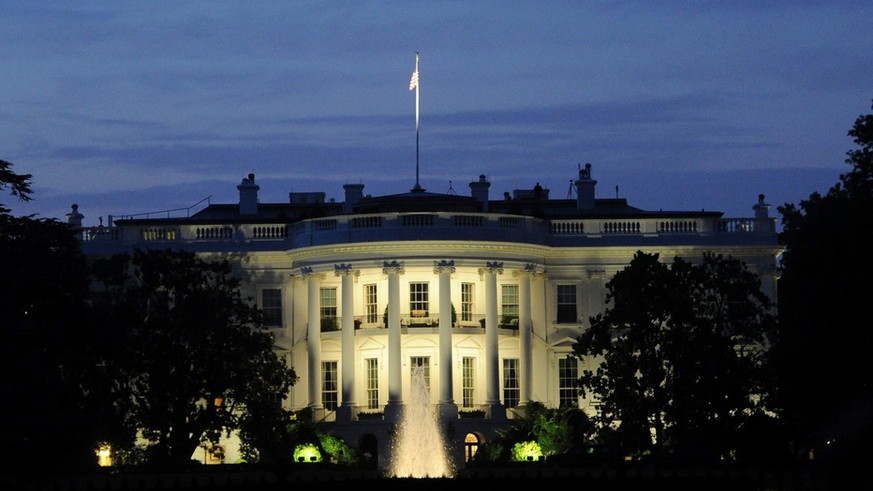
{"x":553,"y":431}
{"x":679,"y":360}
{"x":337,"y":449}
{"x":18,"y":184}
{"x":297,"y":437}
{"x":307,"y":452}
{"x":525,"y":451}
{"x":196,"y":362}
{"x":824,"y":291}
{"x":49,"y":351}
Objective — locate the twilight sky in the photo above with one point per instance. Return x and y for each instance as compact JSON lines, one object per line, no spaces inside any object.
{"x":142,"y":106}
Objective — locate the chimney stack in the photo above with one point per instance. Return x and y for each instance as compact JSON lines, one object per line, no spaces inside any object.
{"x":248,"y":196}
{"x":354,"y":193}
{"x":479,"y":190}
{"x":585,"y":189}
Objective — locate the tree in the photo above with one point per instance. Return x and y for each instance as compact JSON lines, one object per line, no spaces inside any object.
{"x":196,"y":362}
{"x":18,"y":184}
{"x":678,"y":361}
{"x":48,"y":350}
{"x":824,"y":292}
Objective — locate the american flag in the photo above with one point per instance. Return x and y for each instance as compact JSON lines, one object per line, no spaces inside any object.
{"x":413,"y":82}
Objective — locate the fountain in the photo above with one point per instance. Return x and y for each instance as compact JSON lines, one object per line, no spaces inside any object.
{"x":419,"y":448}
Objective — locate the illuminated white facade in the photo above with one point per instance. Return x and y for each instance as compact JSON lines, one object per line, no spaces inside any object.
{"x":487,"y":295}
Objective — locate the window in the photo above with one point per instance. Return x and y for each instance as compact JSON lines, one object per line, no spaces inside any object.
{"x":471,"y":446}
{"x":418,"y":298}
{"x":567,"y":304}
{"x":371,"y":304}
{"x":424,"y":363}
{"x":329,"y":385}
{"x":511,"y":391}
{"x":327,"y":298}
{"x":568,"y":379}
{"x":271,"y":306}
{"x":468,"y":380}
{"x":372,"y":365}
{"x":509,"y":303}
{"x":466,"y":302}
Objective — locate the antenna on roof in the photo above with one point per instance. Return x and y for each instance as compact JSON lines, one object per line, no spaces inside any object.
{"x":451,"y":189}
{"x":570,"y":191}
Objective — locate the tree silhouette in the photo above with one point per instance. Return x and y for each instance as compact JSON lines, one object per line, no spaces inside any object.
{"x":824,"y":291}
{"x":196,"y":361}
{"x":678,"y":361}
{"x":48,"y":350}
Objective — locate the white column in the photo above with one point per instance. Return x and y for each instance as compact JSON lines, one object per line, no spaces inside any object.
{"x":444,"y":269}
{"x":525,"y":334}
{"x":313,"y":340}
{"x":492,"y":370}
{"x":348,"y":341}
{"x":395,"y":395}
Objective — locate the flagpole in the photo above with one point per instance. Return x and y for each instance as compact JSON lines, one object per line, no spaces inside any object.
{"x":417,"y":87}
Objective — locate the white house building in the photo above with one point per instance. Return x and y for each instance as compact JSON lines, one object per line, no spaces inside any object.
{"x":487,"y":295}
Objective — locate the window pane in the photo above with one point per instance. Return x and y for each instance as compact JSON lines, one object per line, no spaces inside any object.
{"x":418,"y":298}
{"x":424,"y":363}
{"x":371,"y":304}
{"x":372,"y":383}
{"x":271,"y":306}
{"x":329,"y":385}
{"x":467,"y":302}
{"x":328,"y":310}
{"x":567,"y":381}
{"x":509,"y":303}
{"x":511,"y":391}
{"x":566,"y":296}
{"x":468,"y":380}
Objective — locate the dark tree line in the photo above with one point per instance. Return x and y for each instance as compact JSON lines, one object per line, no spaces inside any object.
{"x":824,"y":356}
{"x":158,"y":345}
{"x":678,"y":361}
{"x":693,"y":363}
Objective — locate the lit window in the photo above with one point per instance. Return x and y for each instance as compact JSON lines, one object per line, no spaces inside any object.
{"x":467,"y":302}
{"x":371,"y":304}
{"x":418,"y":298}
{"x":509,"y":304}
{"x":468,"y":380}
{"x":511,"y":390}
{"x":329,"y":385}
{"x":328,"y":311}
{"x":372,"y":383}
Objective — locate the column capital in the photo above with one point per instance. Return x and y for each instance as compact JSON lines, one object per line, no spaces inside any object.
{"x":444,"y":266}
{"x":389,"y":267}
{"x":530,"y":270}
{"x":493,"y":267}
{"x":344,"y":270}
{"x":307,"y":273}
